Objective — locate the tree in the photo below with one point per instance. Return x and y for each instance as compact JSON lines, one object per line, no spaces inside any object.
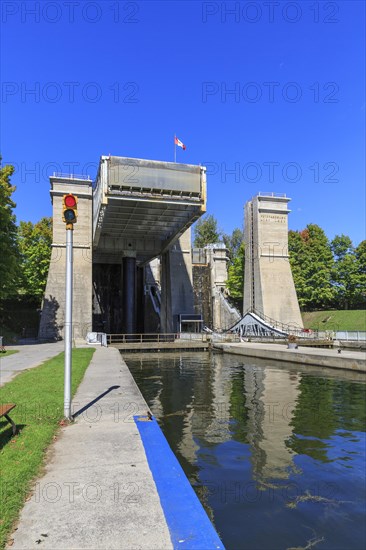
{"x":233,"y":243}
{"x":341,"y":245}
{"x":35,"y":252}
{"x":206,"y":232}
{"x":360,"y":253}
{"x":297,"y":254}
{"x":346,"y":276}
{"x":312,"y":263}
{"x":8,"y":235}
{"x":235,"y":281}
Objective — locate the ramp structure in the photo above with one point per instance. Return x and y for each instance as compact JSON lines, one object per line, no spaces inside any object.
{"x":252,"y":324}
{"x":135,"y":211}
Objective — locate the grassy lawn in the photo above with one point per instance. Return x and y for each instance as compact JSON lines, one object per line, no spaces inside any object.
{"x":335,"y":320}
{"x":8,"y":352}
{"x":38,"y":394}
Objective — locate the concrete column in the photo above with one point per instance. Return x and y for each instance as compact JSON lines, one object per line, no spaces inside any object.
{"x":53,"y":308}
{"x":268,"y":284}
{"x":176,"y":283}
{"x":140,"y":299}
{"x":129,"y":294}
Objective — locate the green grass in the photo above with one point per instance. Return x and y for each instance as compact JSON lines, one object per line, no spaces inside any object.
{"x":38,"y":394}
{"x":335,"y":320}
{"x":8,"y":352}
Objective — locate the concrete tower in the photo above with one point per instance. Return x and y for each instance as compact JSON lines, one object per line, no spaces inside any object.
{"x":53,"y":309}
{"x":269,"y":288}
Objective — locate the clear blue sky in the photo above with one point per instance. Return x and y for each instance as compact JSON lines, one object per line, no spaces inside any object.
{"x":124,"y":77}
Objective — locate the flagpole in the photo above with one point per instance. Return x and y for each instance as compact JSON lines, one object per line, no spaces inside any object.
{"x":175,"y":150}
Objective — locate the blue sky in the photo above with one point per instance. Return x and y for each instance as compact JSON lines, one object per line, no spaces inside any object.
{"x":268,"y":95}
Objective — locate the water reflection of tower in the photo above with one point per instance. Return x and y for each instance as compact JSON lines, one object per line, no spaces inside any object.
{"x":204,"y":404}
{"x":217,"y":428}
{"x":273,"y":394}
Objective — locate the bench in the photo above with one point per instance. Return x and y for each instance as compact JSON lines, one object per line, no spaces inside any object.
{"x":4,"y":410}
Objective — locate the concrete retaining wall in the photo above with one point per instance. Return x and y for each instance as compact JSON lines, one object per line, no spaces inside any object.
{"x":350,"y":360}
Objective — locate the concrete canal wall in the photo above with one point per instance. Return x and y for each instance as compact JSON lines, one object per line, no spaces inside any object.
{"x":350,"y":360}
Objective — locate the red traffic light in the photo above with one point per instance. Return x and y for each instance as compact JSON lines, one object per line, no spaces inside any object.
{"x":70,"y":201}
{"x":70,"y":209}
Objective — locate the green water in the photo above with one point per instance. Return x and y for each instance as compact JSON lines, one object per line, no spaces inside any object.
{"x":276,"y":453}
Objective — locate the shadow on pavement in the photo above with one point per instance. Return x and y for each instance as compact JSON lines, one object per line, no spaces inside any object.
{"x":88,"y":405}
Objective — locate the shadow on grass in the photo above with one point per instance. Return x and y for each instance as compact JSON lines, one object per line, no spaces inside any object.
{"x":88,"y":405}
{"x":7,"y":435}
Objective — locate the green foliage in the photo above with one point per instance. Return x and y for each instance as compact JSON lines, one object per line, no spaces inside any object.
{"x":341,"y":245}
{"x":38,"y":394}
{"x":346,"y":275}
{"x":360,"y":253}
{"x":361,"y":256}
{"x":235,"y":281}
{"x":327,"y":274}
{"x":35,"y":251}
{"x":233,"y":243}
{"x":311,"y":261}
{"x":8,"y":235}
{"x":206,"y":232}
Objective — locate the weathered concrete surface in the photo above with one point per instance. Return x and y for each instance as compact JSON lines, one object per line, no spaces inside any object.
{"x":29,"y":356}
{"x":176,"y":283}
{"x":350,"y":360}
{"x":209,"y":268}
{"x":97,"y":490}
{"x":53,"y":308}
{"x":268,"y":284}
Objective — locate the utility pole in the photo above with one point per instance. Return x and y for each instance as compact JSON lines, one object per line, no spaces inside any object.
{"x":69,"y":217}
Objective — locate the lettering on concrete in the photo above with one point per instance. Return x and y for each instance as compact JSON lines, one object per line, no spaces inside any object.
{"x":277,"y":218}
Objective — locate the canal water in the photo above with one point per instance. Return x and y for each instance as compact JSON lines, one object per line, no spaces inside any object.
{"x":274,"y":451}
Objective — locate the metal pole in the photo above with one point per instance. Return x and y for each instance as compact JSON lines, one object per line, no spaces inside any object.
{"x":68,"y":323}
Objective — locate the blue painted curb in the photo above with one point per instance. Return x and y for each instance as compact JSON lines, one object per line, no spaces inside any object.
{"x":188,"y":523}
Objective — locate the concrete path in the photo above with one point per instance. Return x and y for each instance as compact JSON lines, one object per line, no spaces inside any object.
{"x":97,"y":490}
{"x":29,"y":356}
{"x":350,"y":360}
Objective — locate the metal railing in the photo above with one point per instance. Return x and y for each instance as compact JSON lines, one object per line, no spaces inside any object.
{"x":72,"y":176}
{"x":140,"y":338}
{"x":222,"y":337}
{"x":351,"y":335}
{"x":285,"y":327}
{"x":157,"y":337}
{"x":194,"y":336}
{"x":271,"y":194}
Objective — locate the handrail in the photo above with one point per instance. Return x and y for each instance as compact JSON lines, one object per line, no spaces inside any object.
{"x":140,"y":338}
{"x":277,"y":325}
{"x":271,"y":194}
{"x":72,"y":176}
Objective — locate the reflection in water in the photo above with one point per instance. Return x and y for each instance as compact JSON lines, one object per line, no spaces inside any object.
{"x":275,"y":453}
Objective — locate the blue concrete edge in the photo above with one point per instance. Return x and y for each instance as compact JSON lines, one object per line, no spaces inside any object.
{"x":188,"y":523}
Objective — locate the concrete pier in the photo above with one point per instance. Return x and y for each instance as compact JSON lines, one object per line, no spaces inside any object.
{"x":349,"y":360}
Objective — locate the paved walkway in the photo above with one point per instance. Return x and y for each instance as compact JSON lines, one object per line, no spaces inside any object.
{"x":97,"y":490}
{"x":29,"y":356}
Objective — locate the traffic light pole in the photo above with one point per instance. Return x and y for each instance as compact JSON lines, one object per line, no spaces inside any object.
{"x":68,"y":321}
